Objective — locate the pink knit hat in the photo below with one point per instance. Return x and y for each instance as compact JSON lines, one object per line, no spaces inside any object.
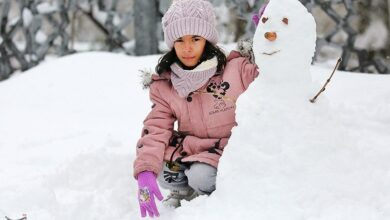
{"x":189,"y":17}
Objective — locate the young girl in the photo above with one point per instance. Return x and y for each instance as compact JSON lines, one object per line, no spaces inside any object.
{"x":197,"y":85}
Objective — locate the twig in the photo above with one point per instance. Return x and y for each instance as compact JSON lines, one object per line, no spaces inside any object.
{"x":327,"y":81}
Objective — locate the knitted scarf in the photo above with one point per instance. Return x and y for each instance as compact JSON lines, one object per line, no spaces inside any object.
{"x":187,"y":81}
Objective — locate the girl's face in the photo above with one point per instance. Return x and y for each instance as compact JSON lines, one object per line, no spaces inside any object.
{"x":189,"y":49}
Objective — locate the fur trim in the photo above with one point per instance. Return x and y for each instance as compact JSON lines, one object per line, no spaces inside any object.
{"x":244,"y":46}
{"x":146,"y":76}
{"x":206,"y":65}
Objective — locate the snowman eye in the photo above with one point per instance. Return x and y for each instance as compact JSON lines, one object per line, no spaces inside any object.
{"x":285,"y":20}
{"x":264,"y":19}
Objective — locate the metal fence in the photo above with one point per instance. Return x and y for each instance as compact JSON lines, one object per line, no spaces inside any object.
{"x":49,"y":28}
{"x":353,"y":58}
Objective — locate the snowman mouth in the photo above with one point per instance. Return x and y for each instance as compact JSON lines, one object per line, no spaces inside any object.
{"x":272,"y":53}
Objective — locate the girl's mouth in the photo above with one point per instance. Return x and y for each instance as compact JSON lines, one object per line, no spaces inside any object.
{"x":188,"y":58}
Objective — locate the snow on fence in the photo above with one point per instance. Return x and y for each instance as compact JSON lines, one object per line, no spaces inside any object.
{"x":49,"y":28}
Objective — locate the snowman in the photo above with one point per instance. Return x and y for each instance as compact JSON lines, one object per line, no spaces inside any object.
{"x":284,"y":45}
{"x":282,"y":139}
{"x":283,"y":48}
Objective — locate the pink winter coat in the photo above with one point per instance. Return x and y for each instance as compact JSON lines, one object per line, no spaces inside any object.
{"x":207,"y":117}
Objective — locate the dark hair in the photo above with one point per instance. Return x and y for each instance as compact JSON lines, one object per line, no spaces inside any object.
{"x":210,"y":51}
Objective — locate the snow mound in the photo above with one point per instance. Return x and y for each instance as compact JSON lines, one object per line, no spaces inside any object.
{"x":68,"y":130}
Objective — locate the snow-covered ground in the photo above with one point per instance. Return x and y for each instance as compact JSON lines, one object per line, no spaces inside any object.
{"x":68,"y":130}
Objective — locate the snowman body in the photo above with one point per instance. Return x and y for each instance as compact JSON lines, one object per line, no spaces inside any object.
{"x":277,"y":124}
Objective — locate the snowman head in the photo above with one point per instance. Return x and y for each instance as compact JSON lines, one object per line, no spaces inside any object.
{"x":284,"y":42}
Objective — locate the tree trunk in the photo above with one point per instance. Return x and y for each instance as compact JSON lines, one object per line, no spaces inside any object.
{"x":387,"y":55}
{"x":388,"y":8}
{"x":145,"y":20}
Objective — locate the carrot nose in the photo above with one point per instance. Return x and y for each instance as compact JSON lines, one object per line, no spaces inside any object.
{"x":271,"y":36}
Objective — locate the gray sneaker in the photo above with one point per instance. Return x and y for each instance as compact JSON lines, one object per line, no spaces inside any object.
{"x":174,"y":198}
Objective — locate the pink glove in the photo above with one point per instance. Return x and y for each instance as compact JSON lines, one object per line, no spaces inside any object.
{"x":148,"y":188}
{"x":256,"y":17}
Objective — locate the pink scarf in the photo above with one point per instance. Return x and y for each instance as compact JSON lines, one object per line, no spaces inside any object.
{"x":187,"y":81}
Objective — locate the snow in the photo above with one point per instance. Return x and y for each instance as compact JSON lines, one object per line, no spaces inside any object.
{"x":13,"y":21}
{"x":84,"y":5}
{"x":374,"y":38}
{"x":27,"y":17}
{"x":224,"y":32}
{"x":47,"y":8}
{"x":71,"y":124}
{"x":69,"y":127}
{"x":129,"y":44}
{"x":302,"y":160}
{"x":102,"y":16}
{"x":40,"y":37}
{"x":68,"y":131}
{"x":251,"y":3}
{"x":99,"y":15}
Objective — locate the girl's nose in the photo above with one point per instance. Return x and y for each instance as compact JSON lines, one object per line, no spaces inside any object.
{"x":271,"y":36}
{"x":188,"y":47}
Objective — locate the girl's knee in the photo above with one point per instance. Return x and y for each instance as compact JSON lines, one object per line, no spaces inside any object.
{"x":202,"y":177}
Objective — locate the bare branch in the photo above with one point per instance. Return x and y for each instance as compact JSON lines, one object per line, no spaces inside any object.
{"x":313,"y":100}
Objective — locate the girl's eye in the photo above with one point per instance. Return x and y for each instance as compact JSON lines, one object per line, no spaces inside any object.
{"x":264,"y":19}
{"x":178,"y":40}
{"x":285,"y":20}
{"x":196,"y":39}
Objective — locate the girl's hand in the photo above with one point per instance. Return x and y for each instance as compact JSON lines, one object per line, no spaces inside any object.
{"x":245,"y":49}
{"x":147,"y":190}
